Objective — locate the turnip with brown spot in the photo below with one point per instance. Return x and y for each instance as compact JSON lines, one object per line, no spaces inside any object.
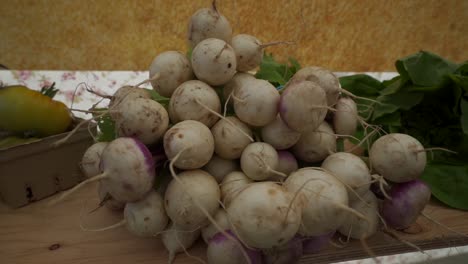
{"x":142,"y":118}
{"x":249,"y":51}
{"x":208,"y":23}
{"x":173,"y":68}
{"x":398,"y":157}
{"x":219,"y":167}
{"x":324,"y":78}
{"x":232,"y":184}
{"x":323,"y":199}
{"x":229,"y":141}
{"x":315,"y":145}
{"x":351,"y":170}
{"x":279,"y":135}
{"x":126,"y":169}
{"x":256,"y":102}
{"x":179,"y":200}
{"x":259,"y":161}
{"x":190,"y":102}
{"x":300,"y":97}
{"x":264,"y":215}
{"x":195,"y":142}
{"x":214,"y":61}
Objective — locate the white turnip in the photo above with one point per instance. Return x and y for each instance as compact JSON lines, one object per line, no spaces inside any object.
{"x":180,"y":196}
{"x":208,"y":23}
{"x":214,"y":61}
{"x":264,"y":215}
{"x":229,"y":141}
{"x":315,"y":145}
{"x":190,"y":102}
{"x":279,"y":135}
{"x":259,"y":161}
{"x":232,"y":184}
{"x":193,"y":140}
{"x":91,"y":158}
{"x":351,"y":170}
{"x":173,"y":68}
{"x":219,"y":167}
{"x":303,"y":105}
{"x":397,"y":157}
{"x":256,"y":102}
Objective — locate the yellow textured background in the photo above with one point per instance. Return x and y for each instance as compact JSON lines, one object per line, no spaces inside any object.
{"x":353,"y":35}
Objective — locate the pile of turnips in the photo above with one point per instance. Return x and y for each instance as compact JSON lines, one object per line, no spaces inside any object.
{"x":265,"y":184}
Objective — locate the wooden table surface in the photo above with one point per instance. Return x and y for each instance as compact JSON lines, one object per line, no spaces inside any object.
{"x":39,"y":233}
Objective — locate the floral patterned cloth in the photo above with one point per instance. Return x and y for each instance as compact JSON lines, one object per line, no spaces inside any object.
{"x":72,"y":91}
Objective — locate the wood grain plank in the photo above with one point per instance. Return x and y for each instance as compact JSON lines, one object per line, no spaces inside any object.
{"x":39,"y":233}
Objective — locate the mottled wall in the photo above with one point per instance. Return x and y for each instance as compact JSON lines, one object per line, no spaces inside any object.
{"x":356,"y":35}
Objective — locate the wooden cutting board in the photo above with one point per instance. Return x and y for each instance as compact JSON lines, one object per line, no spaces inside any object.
{"x":40,"y":233}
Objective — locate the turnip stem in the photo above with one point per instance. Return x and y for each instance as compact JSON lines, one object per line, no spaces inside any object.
{"x":116,"y":225}
{"x":197,"y":203}
{"x":436,"y":148}
{"x":78,"y":186}
{"x":104,"y":96}
{"x":274,"y":43}
{"x":225,"y":119}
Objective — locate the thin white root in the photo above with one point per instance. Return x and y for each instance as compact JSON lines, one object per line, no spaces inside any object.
{"x":116,"y":225}
{"x":361,"y":142}
{"x":274,"y":43}
{"x":225,"y":119}
{"x":71,"y":133}
{"x":352,"y":211}
{"x":104,"y":96}
{"x":197,"y":203}
{"x":186,"y":252}
{"x":368,"y":250}
{"x":382,"y":182}
{"x":226,"y":104}
{"x":350,"y":94}
{"x":396,"y":237}
{"x":277,"y":172}
{"x":77,"y":187}
{"x":436,"y":148}
{"x":153,"y":78}
{"x":442,"y":225}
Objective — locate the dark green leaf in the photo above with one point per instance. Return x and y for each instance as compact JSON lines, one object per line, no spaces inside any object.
{"x":275,"y":72}
{"x":392,"y":119}
{"x":361,"y":85}
{"x":448,"y":183}
{"x":425,"y":68}
{"x":393,"y":85}
{"x":464,"y":115}
{"x":295,"y":65}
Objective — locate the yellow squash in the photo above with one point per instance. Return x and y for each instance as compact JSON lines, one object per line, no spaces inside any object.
{"x":26,"y":110}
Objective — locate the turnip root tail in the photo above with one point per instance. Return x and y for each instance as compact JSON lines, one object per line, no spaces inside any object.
{"x":153,"y":78}
{"x":442,"y":225}
{"x":393,"y":235}
{"x":116,"y":225}
{"x":350,"y":94}
{"x":105,"y":96}
{"x":430,"y":150}
{"x":77,"y":127}
{"x":382,"y":182}
{"x":368,"y":250}
{"x":274,"y":43}
{"x":226,"y":104}
{"x":225,"y":119}
{"x":77,"y":187}
{"x":352,"y":211}
{"x":267,"y":167}
{"x":197,"y":203}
